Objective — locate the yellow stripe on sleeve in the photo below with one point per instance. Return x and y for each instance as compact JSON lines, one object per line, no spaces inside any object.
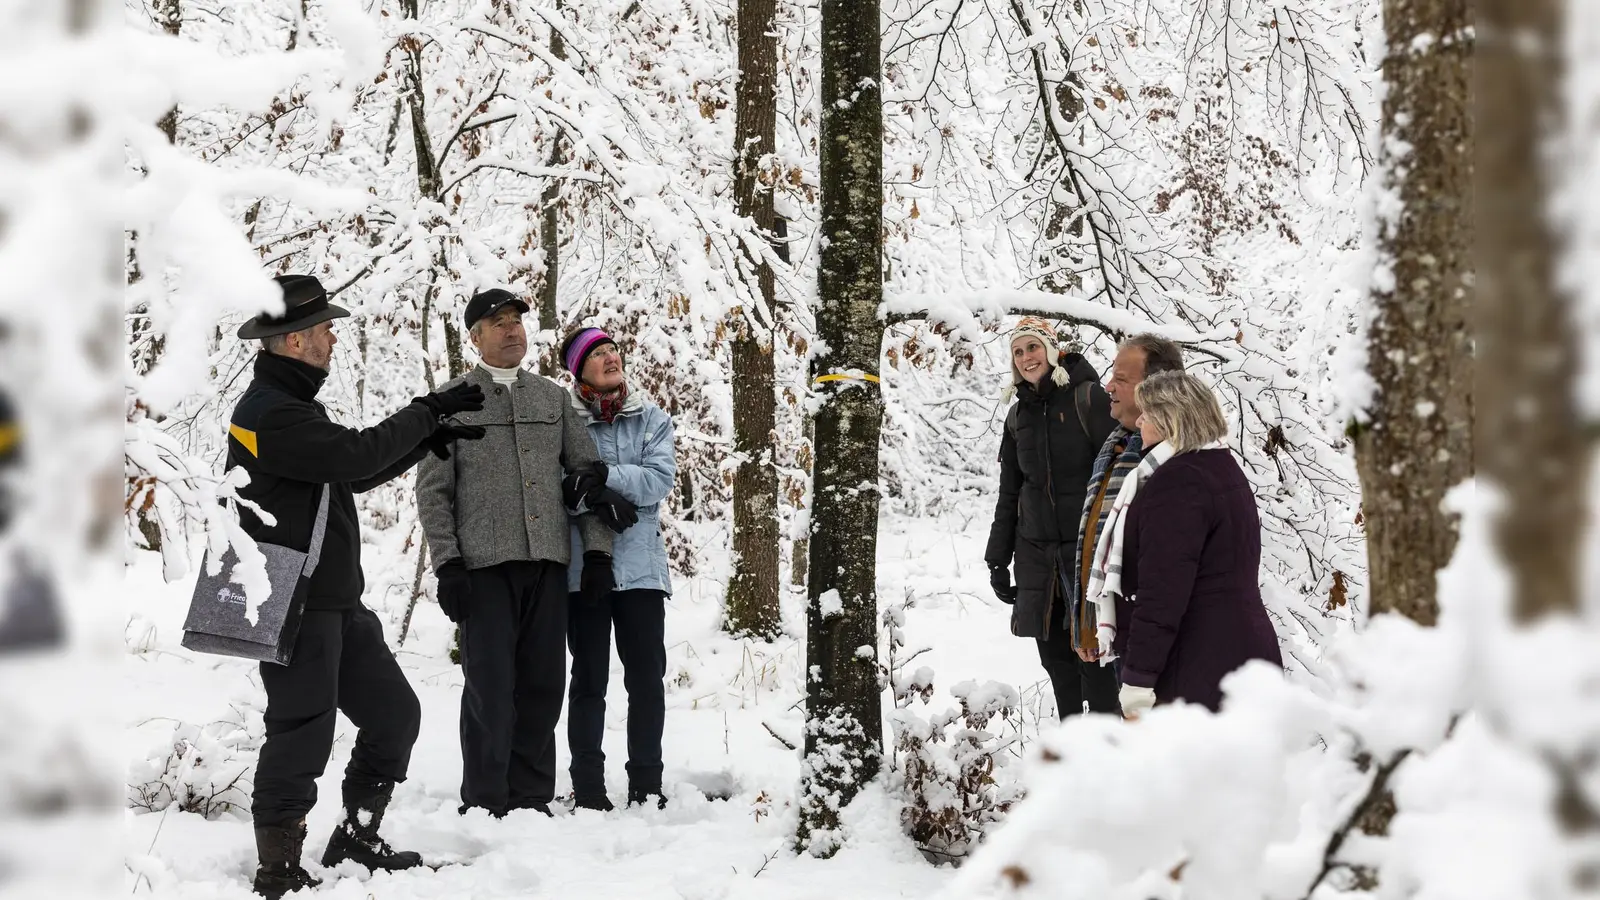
{"x":245,"y":437}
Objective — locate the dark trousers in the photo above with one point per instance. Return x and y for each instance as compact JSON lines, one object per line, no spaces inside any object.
{"x":1074,"y":681}
{"x":640,"y":620}
{"x":340,"y":664}
{"x":515,"y":668}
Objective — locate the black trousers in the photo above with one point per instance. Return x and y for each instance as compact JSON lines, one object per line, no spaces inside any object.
{"x":640,"y":621}
{"x":1074,"y":681}
{"x":515,"y":668}
{"x":340,"y":664}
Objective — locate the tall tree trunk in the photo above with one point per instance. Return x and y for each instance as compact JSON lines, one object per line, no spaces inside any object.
{"x":550,"y":235}
{"x":844,"y":718}
{"x":1417,"y":443}
{"x":1525,"y":332}
{"x":752,"y":602}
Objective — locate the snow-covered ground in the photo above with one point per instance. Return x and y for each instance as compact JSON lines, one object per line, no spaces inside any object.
{"x":723,"y":696}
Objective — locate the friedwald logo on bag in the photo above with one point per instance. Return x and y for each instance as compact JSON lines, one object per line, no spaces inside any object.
{"x":229,"y":595}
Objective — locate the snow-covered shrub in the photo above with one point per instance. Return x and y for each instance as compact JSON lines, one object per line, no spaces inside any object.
{"x":198,"y":769}
{"x":943,"y":764}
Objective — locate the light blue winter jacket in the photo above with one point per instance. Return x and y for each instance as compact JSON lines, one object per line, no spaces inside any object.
{"x":638,"y":451}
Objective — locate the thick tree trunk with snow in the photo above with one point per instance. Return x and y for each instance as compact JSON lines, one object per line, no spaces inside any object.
{"x":1417,"y":443}
{"x":550,"y":235}
{"x":844,"y":721}
{"x":752,"y":602}
{"x":169,"y":14}
{"x":1528,"y":435}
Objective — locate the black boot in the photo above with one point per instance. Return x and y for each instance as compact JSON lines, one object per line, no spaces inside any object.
{"x":596,"y":801}
{"x":356,"y":838}
{"x":278,"y":849}
{"x":642,"y":796}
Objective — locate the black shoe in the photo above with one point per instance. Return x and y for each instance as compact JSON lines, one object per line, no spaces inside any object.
{"x":278,"y":849}
{"x":356,"y":838}
{"x":598,"y":802}
{"x":640,"y":797}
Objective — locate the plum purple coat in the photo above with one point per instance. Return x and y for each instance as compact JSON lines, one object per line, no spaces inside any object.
{"x":1192,"y":610}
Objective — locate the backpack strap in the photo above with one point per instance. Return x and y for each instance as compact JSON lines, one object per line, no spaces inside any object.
{"x":1080,"y":400}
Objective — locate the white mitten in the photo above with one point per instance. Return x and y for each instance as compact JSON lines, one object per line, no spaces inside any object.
{"x":1135,"y":700}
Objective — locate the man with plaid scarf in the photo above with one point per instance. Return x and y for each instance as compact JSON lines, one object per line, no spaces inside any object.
{"x":1138,"y":357}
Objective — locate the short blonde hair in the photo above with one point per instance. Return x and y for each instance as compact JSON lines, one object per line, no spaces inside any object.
{"x":1184,"y":410}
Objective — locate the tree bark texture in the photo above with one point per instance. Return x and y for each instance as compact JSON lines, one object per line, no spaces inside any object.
{"x":550,"y":236}
{"x":1417,"y":443}
{"x":169,"y":14}
{"x":1525,"y":331}
{"x":844,"y":722}
{"x":752,"y":601}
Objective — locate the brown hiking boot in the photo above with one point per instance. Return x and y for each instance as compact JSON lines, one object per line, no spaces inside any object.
{"x":278,"y":852}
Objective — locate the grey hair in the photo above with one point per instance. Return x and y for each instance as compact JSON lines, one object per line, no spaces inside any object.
{"x":1183,"y":409}
{"x":1160,"y":354}
{"x":275,"y":344}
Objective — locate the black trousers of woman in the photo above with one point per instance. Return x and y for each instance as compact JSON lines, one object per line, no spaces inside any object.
{"x":1074,"y":681}
{"x":639,"y":620}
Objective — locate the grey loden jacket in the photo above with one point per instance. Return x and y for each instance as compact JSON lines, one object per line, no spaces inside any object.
{"x":499,"y":499}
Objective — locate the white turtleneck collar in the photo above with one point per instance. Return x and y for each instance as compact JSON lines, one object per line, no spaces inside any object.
{"x":501,"y":376}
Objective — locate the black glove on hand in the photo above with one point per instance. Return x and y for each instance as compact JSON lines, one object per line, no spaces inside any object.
{"x":1000,"y":580}
{"x":615,"y":511}
{"x":464,"y":397}
{"x":455,"y":590}
{"x":597,"y":580}
{"x":584,"y":485}
{"x":449,"y":433}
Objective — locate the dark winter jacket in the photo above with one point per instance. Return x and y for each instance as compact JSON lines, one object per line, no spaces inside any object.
{"x":283,"y":438}
{"x":1046,"y":455}
{"x":1192,"y":611}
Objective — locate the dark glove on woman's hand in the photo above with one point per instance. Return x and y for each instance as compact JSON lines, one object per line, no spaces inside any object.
{"x":615,"y":511}
{"x":448,"y":434}
{"x":584,"y":485}
{"x":1000,"y":580}
{"x":455,"y":590}
{"x":464,"y":397}
{"x":597,"y":581}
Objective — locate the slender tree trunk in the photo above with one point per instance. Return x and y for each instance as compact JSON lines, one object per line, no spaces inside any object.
{"x":752,"y":602}
{"x":550,"y":235}
{"x":1526,"y":335}
{"x":1417,"y":443}
{"x":844,"y":717}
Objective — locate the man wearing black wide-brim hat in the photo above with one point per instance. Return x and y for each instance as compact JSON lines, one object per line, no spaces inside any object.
{"x":282,"y":436}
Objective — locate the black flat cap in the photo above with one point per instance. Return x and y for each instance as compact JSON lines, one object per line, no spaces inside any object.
{"x":487,"y":303}
{"x":307,"y":304}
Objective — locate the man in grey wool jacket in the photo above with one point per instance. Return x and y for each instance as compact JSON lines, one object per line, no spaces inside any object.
{"x":496,"y":522}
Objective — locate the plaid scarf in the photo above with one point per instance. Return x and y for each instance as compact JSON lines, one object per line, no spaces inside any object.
{"x":604,"y":406}
{"x":1105,"y":574}
{"x":1119,"y":467}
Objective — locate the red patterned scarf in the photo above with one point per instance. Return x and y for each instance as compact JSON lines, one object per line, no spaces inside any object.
{"x":604,"y":406}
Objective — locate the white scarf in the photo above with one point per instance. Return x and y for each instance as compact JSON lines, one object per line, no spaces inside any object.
{"x":1105,"y":575}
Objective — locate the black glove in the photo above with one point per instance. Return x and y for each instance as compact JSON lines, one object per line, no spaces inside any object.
{"x":584,"y":485}
{"x":455,"y":590}
{"x":1000,"y":580}
{"x":615,"y":511}
{"x":450,"y":432}
{"x":464,"y":397}
{"x":597,"y":580}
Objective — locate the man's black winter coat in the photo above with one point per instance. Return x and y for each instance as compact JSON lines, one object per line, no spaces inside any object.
{"x":1046,"y":458}
{"x":282,"y":436}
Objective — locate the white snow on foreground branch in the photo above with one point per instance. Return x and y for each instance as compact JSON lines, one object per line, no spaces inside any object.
{"x":966,"y":311}
{"x":1243,"y":803}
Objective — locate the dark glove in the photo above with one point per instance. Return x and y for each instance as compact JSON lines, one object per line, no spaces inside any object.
{"x":597,"y":580}
{"x":464,"y":397}
{"x":449,"y":433}
{"x":455,"y":590}
{"x":615,"y":511}
{"x":584,"y":485}
{"x":1000,"y":580}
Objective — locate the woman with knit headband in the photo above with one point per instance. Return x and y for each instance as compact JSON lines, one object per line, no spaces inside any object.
{"x":634,"y":437}
{"x":1052,"y":432}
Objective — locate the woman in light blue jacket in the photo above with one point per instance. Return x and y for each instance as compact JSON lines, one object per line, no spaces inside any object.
{"x":634,"y":437}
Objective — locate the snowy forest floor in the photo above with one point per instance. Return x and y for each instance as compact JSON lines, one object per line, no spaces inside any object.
{"x":721,"y":693}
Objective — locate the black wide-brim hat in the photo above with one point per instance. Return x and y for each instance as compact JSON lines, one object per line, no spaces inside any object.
{"x":306,"y":302}
{"x":487,"y":303}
